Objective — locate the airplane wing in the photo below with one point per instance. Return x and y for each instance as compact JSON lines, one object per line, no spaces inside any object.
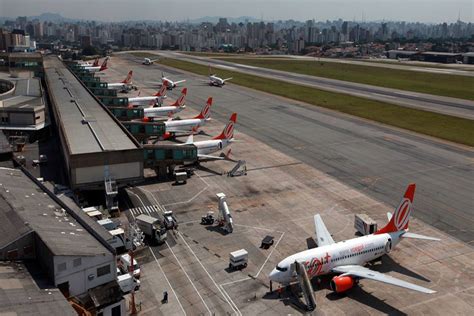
{"x":226,"y":79}
{"x":178,"y":82}
{"x":365,"y":273}
{"x":323,"y":237}
{"x":210,"y":157}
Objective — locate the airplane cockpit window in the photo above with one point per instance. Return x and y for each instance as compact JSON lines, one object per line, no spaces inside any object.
{"x":281,"y":269}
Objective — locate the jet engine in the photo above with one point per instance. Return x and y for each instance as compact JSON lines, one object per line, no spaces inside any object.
{"x":340,"y":284}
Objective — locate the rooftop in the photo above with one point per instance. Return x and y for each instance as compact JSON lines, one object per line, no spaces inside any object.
{"x":25,"y":291}
{"x":87,"y":127}
{"x":24,"y":206}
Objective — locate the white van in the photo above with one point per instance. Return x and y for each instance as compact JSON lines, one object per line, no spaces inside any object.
{"x":124,"y":265}
{"x":128,"y":283}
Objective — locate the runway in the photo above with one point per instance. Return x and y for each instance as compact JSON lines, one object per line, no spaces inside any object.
{"x":375,"y":159}
{"x":445,"y":105}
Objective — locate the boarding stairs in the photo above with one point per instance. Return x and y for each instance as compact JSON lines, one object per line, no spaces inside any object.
{"x":305,"y":284}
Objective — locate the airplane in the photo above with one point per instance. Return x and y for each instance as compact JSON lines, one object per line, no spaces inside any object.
{"x":217,"y":143}
{"x":97,"y":68}
{"x":188,"y":125}
{"x":154,"y":99}
{"x":125,"y":85}
{"x":171,"y":84}
{"x":148,"y":61}
{"x":88,"y":64}
{"x":216,"y":81}
{"x":347,"y":258}
{"x":178,"y":106}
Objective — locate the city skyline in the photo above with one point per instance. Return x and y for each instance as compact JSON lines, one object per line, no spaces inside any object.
{"x":362,"y":10}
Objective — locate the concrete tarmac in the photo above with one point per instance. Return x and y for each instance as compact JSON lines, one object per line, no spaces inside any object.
{"x":373,"y":158}
{"x":440,"y":104}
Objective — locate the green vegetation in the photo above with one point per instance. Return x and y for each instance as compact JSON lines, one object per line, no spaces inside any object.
{"x":144,"y":55}
{"x":438,"y":125}
{"x":437,"y":84}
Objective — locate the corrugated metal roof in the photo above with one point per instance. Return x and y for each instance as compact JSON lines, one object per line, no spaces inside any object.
{"x":59,"y":231}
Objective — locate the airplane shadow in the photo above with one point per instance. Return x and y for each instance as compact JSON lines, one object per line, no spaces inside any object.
{"x":206,"y":169}
{"x":290,"y":296}
{"x":213,"y":228}
{"x":387,"y":264}
{"x":360,"y":295}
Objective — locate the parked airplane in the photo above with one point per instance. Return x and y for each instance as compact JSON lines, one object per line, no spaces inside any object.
{"x":171,"y":84}
{"x":97,"y":68}
{"x":348,"y":258}
{"x":161,"y":111}
{"x":190,"y":125}
{"x":214,"y":80}
{"x":217,"y":143}
{"x":88,"y":64}
{"x":148,"y":61}
{"x":157,"y":98}
{"x":125,"y":85}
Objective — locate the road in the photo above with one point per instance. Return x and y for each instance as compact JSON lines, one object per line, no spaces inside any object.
{"x":375,"y":159}
{"x":445,"y":105}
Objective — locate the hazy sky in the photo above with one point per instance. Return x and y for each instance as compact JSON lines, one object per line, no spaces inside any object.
{"x":178,"y":10}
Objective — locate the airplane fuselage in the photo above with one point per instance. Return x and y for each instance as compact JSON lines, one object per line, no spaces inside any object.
{"x":162,"y":111}
{"x":211,"y":146}
{"x":119,"y":86}
{"x":216,"y":81}
{"x":321,"y":260}
{"x":184,"y":125}
{"x":144,"y":100}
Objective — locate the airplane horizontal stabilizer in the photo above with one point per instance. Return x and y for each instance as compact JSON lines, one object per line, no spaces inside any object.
{"x":418,"y":236}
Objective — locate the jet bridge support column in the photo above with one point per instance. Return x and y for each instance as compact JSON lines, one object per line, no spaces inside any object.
{"x":305,"y":284}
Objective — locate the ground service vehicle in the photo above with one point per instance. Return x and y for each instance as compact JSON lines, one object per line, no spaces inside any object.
{"x":124,"y":263}
{"x":128,"y":283}
{"x":238,"y":259}
{"x":152,"y":228}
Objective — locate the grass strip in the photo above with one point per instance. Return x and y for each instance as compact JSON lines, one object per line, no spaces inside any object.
{"x":432,"y":83}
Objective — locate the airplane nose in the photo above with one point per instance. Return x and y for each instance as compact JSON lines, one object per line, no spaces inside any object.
{"x":274,"y":275}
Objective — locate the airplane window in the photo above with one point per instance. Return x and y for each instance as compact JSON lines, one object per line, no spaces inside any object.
{"x":281,"y":269}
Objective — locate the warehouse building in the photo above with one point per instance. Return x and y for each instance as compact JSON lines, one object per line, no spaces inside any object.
{"x":95,"y":145}
{"x":36,"y":226}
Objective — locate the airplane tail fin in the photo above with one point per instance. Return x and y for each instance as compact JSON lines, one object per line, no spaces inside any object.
{"x":104,"y":64}
{"x":206,"y":110}
{"x":128,"y":79}
{"x":163,"y":90}
{"x":180,"y":101}
{"x":228,"y":132}
{"x":399,"y":220}
{"x":95,"y":63}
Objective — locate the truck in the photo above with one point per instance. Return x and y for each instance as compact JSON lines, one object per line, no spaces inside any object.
{"x":151,"y":227}
{"x":238,"y":259}
{"x":364,"y":224}
{"x":169,"y":220}
{"x":128,"y":283}
{"x":119,"y":240}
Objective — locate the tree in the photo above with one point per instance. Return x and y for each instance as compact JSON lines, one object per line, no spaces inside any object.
{"x":89,"y":51}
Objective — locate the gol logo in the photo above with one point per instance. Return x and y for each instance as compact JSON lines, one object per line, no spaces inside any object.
{"x":403,"y":214}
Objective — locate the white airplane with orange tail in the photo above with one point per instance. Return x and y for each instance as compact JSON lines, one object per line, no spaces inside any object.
{"x":169,"y":110}
{"x":88,"y":64}
{"x":193,"y":124}
{"x":97,"y":68}
{"x":157,"y":98}
{"x":125,"y":85}
{"x":347,"y":258}
{"x":219,"y":142}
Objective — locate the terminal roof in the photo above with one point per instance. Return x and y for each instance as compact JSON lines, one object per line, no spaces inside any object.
{"x":87,"y":126}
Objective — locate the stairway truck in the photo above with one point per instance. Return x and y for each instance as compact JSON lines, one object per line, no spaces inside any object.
{"x":152,"y":228}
